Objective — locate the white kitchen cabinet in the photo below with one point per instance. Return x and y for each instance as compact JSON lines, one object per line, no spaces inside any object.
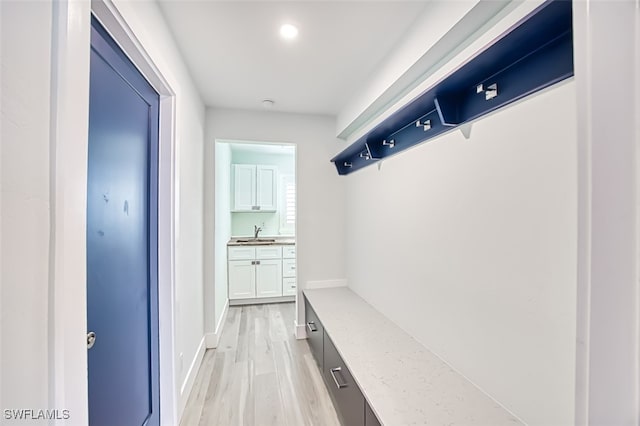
{"x":289,"y":252}
{"x":266,"y":184}
{"x":261,"y":271}
{"x":249,"y":279}
{"x":242,"y":279}
{"x":288,"y":268}
{"x":269,"y":278}
{"x":254,"y":188}
{"x":242,"y":253}
{"x":289,"y":287}
{"x":268,"y":252}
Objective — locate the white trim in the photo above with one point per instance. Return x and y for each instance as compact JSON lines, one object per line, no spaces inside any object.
{"x":70,"y":105}
{"x":190,"y":378}
{"x":70,"y":35}
{"x":300,"y":331}
{"x":113,"y":22}
{"x":262,"y":300}
{"x":326,"y":283}
{"x":213,"y":339}
{"x":607,"y":343}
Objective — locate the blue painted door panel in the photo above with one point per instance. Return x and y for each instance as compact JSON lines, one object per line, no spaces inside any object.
{"x":122,"y":240}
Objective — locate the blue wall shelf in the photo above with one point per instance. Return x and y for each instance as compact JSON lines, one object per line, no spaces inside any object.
{"x":533,"y":55}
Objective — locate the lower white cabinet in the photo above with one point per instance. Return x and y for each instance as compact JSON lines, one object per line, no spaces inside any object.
{"x":269,"y":278}
{"x":242,"y":279}
{"x":289,"y":287}
{"x":260,"y":272}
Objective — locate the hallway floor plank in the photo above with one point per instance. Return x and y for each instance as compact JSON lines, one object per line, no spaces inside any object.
{"x":259,"y":375}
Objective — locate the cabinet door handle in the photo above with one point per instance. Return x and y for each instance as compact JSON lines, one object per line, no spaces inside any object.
{"x":255,"y":208}
{"x":333,"y":372}
{"x":257,"y":262}
{"x":253,"y":262}
{"x":312,"y":326}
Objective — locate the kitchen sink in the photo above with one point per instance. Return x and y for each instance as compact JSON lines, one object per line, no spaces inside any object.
{"x":257,"y":241}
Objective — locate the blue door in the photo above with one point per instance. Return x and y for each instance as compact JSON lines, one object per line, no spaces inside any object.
{"x":122,"y":282}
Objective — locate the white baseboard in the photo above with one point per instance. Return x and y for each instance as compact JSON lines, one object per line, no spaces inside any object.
{"x":190,"y":378}
{"x":300,"y":330}
{"x":262,"y":300}
{"x":326,"y":284}
{"x":212,"y":339}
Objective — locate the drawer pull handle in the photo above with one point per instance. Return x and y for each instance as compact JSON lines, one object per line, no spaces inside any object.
{"x":333,"y":372}
{"x":312,"y":326}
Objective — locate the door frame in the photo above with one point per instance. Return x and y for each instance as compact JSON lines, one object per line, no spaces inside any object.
{"x":71,"y":27}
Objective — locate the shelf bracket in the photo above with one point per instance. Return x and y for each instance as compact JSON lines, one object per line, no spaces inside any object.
{"x":447,"y":109}
{"x":465,"y":129}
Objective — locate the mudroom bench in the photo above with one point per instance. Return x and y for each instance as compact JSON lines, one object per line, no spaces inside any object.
{"x":377,"y":374}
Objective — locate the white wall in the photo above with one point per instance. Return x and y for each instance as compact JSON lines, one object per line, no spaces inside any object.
{"x":148,"y":24}
{"x":320,"y":191}
{"x":470,"y":246}
{"x":33,"y":283}
{"x":25,"y":203}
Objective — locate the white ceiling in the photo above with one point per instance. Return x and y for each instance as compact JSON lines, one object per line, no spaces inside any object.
{"x":237,"y":58}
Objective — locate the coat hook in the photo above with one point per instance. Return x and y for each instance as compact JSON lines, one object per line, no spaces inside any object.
{"x":491,"y":92}
{"x":365,"y":155}
{"x":390,"y":144}
{"x":346,"y":164}
{"x":426,"y":124}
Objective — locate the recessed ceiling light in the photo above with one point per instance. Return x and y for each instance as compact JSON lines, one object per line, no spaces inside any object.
{"x":288,"y":32}
{"x":268,"y":103}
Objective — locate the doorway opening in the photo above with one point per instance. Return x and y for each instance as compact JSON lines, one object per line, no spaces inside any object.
{"x":255,"y":223}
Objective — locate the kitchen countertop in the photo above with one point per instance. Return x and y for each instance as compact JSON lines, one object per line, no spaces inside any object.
{"x":404,"y":382}
{"x":279,"y":241}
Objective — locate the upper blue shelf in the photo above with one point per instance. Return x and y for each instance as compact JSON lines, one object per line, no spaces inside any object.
{"x":533,"y":55}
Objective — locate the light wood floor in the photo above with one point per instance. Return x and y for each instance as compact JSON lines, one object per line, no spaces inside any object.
{"x":259,"y":375}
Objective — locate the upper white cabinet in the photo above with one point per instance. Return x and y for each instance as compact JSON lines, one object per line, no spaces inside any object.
{"x":254,"y":188}
{"x":266,"y":183}
{"x":245,"y":187}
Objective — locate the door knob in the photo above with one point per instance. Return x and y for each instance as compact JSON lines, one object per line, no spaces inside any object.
{"x":91,"y":339}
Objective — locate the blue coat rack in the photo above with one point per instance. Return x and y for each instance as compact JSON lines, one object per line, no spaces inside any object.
{"x":533,"y":55}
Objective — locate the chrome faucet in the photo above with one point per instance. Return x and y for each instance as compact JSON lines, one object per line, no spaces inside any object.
{"x":256,"y":231}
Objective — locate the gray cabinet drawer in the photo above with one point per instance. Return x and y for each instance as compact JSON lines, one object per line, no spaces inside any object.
{"x":342,"y":388}
{"x":370,"y":419}
{"x":315,"y":333}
